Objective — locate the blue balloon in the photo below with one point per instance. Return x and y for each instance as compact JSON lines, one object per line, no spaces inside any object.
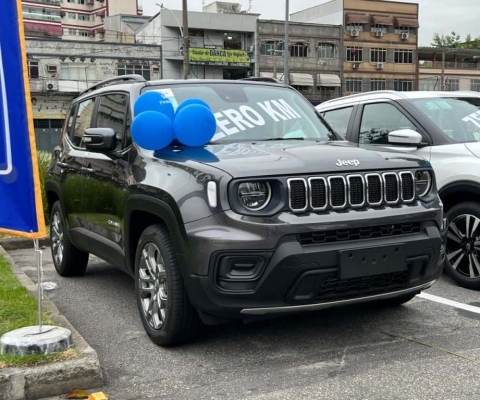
{"x":189,"y":102}
{"x":154,"y":101}
{"x":194,"y":125}
{"x":152,"y":130}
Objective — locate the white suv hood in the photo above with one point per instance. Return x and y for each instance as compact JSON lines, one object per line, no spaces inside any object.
{"x":474,"y":147}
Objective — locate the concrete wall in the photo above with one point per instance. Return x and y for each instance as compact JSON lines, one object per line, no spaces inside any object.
{"x":327,"y":13}
{"x":128,"y":7}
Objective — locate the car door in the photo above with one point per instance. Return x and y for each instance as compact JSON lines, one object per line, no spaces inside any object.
{"x":375,"y":120}
{"x":105,"y":186}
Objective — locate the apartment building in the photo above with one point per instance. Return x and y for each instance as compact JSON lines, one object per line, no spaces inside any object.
{"x":380,"y":42}
{"x":73,"y":19}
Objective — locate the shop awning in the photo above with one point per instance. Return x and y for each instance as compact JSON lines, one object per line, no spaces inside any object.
{"x":46,"y":29}
{"x":328,"y":80}
{"x":382,"y":20}
{"x":407,"y":22}
{"x":357,"y":19}
{"x":271,"y":75}
{"x":298,"y":79}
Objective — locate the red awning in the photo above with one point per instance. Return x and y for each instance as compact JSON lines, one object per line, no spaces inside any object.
{"x":46,"y":29}
{"x":382,"y":20}
{"x":407,"y":22}
{"x":357,"y":19}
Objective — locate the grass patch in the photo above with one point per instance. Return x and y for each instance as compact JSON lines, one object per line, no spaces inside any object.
{"x":17,"y":310}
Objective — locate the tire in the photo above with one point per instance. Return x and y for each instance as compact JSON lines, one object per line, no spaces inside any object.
{"x":67,"y":259}
{"x":462,"y":262}
{"x":172,"y":320}
{"x":396,"y":301}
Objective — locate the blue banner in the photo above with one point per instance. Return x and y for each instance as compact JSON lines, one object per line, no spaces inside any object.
{"x":21,"y":210}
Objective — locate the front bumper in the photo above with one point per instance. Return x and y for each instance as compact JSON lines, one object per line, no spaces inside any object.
{"x":279,"y":268}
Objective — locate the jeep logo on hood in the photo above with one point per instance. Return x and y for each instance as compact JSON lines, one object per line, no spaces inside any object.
{"x":345,"y":163}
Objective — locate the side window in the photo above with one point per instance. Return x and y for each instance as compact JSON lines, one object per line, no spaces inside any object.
{"x":380,"y":119}
{"x":339,"y":119}
{"x":82,"y":121}
{"x":112,"y":113}
{"x":69,"y":121}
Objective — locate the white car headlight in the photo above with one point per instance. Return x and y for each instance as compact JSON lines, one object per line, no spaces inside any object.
{"x":423,"y":182}
{"x":254,"y":196}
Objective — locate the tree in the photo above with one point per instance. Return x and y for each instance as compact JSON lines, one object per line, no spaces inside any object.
{"x":453,"y":41}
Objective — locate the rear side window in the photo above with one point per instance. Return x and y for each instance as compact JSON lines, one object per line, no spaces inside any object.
{"x":82,"y":121}
{"x":112,"y":113}
{"x":339,"y":119}
{"x":69,"y":121}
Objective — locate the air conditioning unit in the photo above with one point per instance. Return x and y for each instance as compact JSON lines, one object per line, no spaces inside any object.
{"x":379,"y":33}
{"x":52,"y":86}
{"x":380,"y":65}
{"x":52,"y":69}
{"x":356,"y":65}
{"x":405,"y":35}
{"x":354,"y":32}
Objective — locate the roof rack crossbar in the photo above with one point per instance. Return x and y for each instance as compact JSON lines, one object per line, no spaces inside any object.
{"x":110,"y":81}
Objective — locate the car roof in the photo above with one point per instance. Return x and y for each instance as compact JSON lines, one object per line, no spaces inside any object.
{"x":391,"y":95}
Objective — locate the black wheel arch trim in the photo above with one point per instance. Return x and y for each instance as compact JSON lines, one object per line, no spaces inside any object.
{"x":458,"y":186}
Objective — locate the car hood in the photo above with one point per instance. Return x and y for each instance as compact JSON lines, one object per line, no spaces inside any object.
{"x":474,"y":148}
{"x":292,"y":158}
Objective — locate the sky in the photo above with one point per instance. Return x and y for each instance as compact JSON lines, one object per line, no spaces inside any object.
{"x":442,"y":16}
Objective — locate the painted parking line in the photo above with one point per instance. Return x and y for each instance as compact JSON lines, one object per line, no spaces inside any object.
{"x":448,"y":302}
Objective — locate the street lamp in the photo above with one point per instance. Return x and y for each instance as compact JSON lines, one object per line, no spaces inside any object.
{"x":162,"y":7}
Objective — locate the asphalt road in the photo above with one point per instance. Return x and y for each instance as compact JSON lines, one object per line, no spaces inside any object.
{"x":423,"y":350}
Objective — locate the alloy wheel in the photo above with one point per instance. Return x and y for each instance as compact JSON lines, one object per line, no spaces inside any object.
{"x":463,"y":245}
{"x":153,"y":293}
{"x":57,"y":237}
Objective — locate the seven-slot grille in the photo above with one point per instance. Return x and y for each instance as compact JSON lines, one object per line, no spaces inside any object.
{"x":350,"y":191}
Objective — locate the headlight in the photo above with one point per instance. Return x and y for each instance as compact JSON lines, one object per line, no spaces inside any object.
{"x":423,"y":182}
{"x":254,"y":196}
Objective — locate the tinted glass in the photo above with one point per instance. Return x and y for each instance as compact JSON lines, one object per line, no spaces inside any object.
{"x":380,"y":119}
{"x":82,"y":121}
{"x":253,"y":112}
{"x":458,"y":119}
{"x":339,"y":119}
{"x":112,"y":113}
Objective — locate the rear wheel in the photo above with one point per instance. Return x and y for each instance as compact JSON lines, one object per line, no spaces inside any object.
{"x":462,"y":262}
{"x":67,"y":259}
{"x":165,"y":310}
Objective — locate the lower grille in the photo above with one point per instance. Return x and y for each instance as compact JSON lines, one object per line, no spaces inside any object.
{"x":340,"y":235}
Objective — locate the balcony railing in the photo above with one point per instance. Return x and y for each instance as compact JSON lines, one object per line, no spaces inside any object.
{"x":449,"y":65}
{"x":43,"y":17}
{"x":44,"y":1}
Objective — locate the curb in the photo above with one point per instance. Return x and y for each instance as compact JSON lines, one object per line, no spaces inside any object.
{"x":21,"y":244}
{"x":48,"y":380}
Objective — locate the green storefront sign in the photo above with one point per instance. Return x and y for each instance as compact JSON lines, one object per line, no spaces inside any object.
{"x":228,"y":58}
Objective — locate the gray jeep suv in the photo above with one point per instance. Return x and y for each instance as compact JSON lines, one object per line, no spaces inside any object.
{"x":272,"y":216}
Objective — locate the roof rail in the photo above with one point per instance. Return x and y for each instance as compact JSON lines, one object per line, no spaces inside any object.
{"x":262,"y":79}
{"x":110,"y":81}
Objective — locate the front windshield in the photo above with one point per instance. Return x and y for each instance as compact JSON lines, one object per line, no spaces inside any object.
{"x":457,"y":118}
{"x":253,"y":112}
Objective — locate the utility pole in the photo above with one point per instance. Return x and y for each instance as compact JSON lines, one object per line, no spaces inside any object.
{"x":186,"y":42}
{"x":286,"y":47}
{"x":442,"y":79}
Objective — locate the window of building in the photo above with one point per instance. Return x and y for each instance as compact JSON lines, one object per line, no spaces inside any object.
{"x":405,"y":29}
{"x":327,"y":92}
{"x":353,"y":85}
{"x":356,"y":27}
{"x":33,"y":69}
{"x":339,"y":119}
{"x":139,"y":69}
{"x":380,"y":119}
{"x":402,"y":85}
{"x":355,"y":54}
{"x":82,"y":32}
{"x":299,"y":50}
{"x":232,"y":41}
{"x":78,"y":72}
{"x":326,"y":50}
{"x":377,"y":27}
{"x":301,"y":88}
{"x":428,"y":84}
{"x":71,"y":15}
{"x":47,"y":123}
{"x":475,"y":85}
{"x":112,"y":113}
{"x":84,"y":17}
{"x":452,"y":85}
{"x":378,"y":84}
{"x":82,"y":121}
{"x":81,"y":1}
{"x":72,"y":32}
{"x":378,"y":55}
{"x":271,"y":48}
{"x":402,"y":56}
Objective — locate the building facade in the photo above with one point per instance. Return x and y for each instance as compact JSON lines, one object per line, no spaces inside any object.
{"x":73,"y":19}
{"x":315,"y":66}
{"x":60,"y":69}
{"x":461,"y":69}
{"x":222,"y":45}
{"x":380,"y":42}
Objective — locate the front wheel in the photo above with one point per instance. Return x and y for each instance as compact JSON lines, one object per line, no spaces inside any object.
{"x":462,"y":262}
{"x":165,"y":310}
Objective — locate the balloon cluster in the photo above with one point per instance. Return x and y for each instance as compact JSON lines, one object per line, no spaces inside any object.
{"x":156,"y":124}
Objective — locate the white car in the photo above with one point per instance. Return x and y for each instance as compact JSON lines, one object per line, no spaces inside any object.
{"x":444,"y":128}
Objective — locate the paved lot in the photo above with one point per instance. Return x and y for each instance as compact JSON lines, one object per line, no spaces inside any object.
{"x":423,"y":350}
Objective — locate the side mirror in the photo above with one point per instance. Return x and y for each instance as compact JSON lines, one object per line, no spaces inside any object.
{"x":405,"y":136}
{"x":100,"y":140}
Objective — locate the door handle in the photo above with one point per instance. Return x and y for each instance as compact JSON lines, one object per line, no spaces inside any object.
{"x":89,"y":170}
{"x":62,"y":165}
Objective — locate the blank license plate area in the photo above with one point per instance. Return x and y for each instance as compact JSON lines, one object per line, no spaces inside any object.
{"x":372,"y":261}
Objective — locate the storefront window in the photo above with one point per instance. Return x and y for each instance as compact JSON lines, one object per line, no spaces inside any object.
{"x":232,"y":41}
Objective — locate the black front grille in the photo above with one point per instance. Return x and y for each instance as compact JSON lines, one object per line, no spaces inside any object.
{"x":357,"y":194}
{"x":391,"y":187}
{"x":408,"y":187}
{"x":318,"y":189}
{"x":312,"y":238}
{"x":374,"y":183}
{"x":337,"y":192}
{"x":298,"y":194}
